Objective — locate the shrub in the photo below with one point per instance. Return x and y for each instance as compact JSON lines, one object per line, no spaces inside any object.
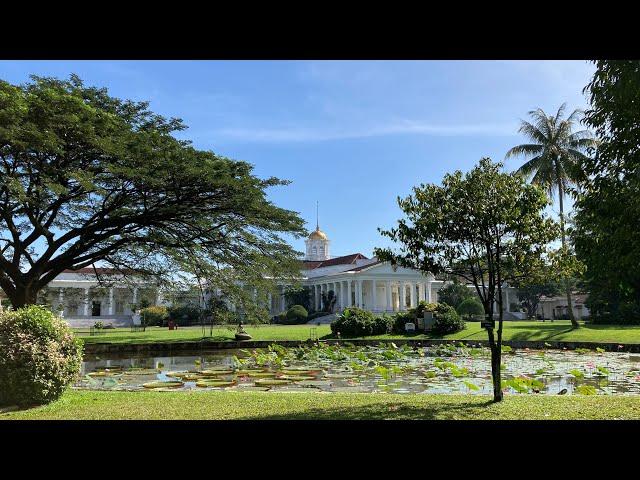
{"x":382,"y":325}
{"x":154,"y":316}
{"x":296,"y":315}
{"x":447,"y":320}
{"x":186,"y":314}
{"x":355,"y":322}
{"x":471,"y":309}
{"x":39,"y":356}
{"x":400,"y":319}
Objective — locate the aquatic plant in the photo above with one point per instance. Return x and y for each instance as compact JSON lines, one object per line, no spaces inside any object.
{"x":576,"y":373}
{"x":586,"y":390}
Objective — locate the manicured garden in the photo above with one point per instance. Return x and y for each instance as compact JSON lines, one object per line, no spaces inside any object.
{"x":94,"y":405}
{"x":559,"y":330}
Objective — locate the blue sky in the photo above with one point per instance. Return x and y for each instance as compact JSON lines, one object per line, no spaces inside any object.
{"x":352,"y":135}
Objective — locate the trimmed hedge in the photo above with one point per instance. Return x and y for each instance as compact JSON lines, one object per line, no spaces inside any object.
{"x":296,"y":315}
{"x":39,"y":356}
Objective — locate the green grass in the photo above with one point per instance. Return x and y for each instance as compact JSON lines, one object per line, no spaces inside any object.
{"x":86,"y":405}
{"x":521,"y":330}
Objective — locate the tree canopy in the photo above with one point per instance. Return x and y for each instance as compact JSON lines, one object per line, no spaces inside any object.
{"x":485,"y":226}
{"x":86,"y":178}
{"x":607,"y":227}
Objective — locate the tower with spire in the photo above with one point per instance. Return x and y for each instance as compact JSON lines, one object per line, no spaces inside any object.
{"x":317,"y":243}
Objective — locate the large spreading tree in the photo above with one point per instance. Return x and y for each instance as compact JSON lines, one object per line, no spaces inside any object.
{"x":485,"y":226}
{"x":555,"y":156}
{"x":86,"y":179}
{"x":607,"y":226}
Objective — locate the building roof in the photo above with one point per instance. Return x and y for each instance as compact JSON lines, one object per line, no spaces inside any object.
{"x":344,"y":260}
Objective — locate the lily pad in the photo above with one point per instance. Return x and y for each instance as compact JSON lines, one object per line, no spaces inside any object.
{"x":296,"y":378}
{"x":215,"y":372}
{"x":270,"y":382}
{"x":160,"y":384}
{"x":215,"y":383}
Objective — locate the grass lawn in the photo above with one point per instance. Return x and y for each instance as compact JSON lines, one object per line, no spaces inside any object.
{"x":210,"y":405}
{"x":521,"y":330}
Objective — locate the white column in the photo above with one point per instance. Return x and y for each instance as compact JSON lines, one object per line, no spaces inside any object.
{"x":349,"y":293}
{"x":374,"y":296}
{"x":61,"y":299}
{"x":360,"y":294}
{"x":316,"y":298}
{"x":270,"y":302}
{"x":135,"y":296}
{"x":387,"y":291}
{"x":86,"y":302}
{"x":412,"y":298}
{"x":429,"y":292}
{"x":160,"y":298}
{"x":111,"y":301}
{"x":403,"y":296}
{"x":283,"y":303}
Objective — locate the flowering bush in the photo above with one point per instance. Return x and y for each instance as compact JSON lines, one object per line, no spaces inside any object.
{"x":39,"y":356}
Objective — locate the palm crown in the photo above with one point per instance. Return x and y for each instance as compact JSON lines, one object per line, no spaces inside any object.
{"x":556,"y":153}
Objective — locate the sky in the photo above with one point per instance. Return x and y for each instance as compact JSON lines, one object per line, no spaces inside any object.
{"x":351,"y":135}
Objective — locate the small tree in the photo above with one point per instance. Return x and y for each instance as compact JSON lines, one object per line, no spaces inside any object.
{"x":454,"y":293}
{"x":485,"y":226}
{"x":298,"y":296}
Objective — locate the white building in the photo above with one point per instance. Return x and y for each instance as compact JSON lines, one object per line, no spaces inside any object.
{"x":364,"y":282}
{"x":355,"y":280}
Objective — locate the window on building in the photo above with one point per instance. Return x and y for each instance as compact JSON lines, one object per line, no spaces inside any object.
{"x":321,"y":250}
{"x":119,"y":307}
{"x":315,"y":250}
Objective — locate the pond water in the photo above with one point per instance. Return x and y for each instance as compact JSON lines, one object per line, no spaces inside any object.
{"x":391,"y":369}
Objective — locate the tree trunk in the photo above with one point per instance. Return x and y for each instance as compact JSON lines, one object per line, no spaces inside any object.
{"x":496,"y":359}
{"x":574,"y":322}
{"x":22,"y":297}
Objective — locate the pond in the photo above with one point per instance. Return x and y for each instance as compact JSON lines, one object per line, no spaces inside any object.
{"x":385,"y":368}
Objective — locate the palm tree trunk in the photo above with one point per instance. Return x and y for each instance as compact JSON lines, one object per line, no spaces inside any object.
{"x":574,"y":322}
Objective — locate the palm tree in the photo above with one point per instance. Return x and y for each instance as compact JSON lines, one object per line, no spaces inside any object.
{"x":554,"y":160}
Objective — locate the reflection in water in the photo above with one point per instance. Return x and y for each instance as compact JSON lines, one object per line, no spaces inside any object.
{"x":371,"y":369}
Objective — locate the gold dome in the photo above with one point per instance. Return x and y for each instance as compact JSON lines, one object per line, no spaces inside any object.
{"x":317,"y":234}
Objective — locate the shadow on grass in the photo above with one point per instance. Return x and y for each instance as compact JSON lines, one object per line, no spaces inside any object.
{"x":389,"y":411}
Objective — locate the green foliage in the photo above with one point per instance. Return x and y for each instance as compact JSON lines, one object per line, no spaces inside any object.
{"x":355,"y":322}
{"x":455,"y":293}
{"x":39,"y":356}
{"x":485,"y":226}
{"x":471,"y":309}
{"x":298,"y":296}
{"x":154,"y":316}
{"x":109,"y":180}
{"x":185,"y":314}
{"x":447,"y":320}
{"x":606,"y":234}
{"x":586,"y":390}
{"x":296,"y":314}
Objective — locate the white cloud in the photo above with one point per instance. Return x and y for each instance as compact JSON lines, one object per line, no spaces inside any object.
{"x":296,"y":134}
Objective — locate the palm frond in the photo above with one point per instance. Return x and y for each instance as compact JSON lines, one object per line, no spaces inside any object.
{"x":526,"y":149}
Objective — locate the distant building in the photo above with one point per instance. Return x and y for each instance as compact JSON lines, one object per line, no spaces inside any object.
{"x":556,"y":307}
